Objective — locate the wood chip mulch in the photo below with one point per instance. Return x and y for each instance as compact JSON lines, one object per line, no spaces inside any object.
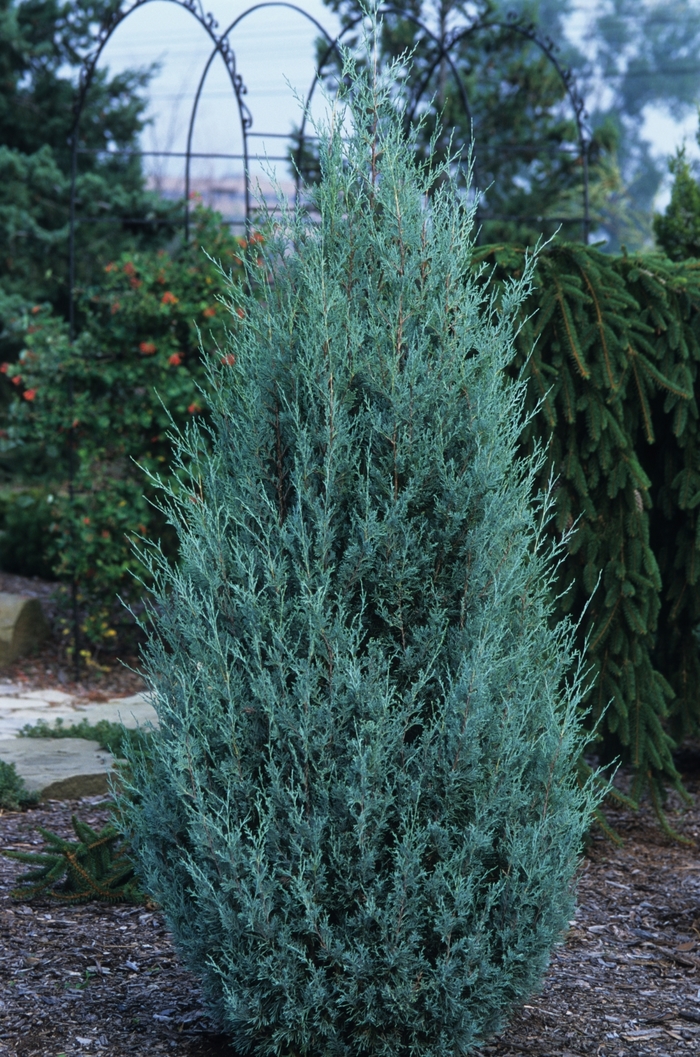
{"x":105,"y":979}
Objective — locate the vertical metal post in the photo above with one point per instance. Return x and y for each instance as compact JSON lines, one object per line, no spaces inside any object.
{"x":71,"y":390}
{"x":586,"y":202}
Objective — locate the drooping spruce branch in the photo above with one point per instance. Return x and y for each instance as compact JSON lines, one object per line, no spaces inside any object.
{"x":95,"y":867}
{"x":614,"y":370}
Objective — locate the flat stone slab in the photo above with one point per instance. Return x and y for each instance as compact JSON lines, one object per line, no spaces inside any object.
{"x":48,"y":697}
{"x":63,"y":768}
{"x":59,"y":768}
{"x":23,"y":707}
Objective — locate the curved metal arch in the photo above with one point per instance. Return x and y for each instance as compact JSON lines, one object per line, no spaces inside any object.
{"x":528,"y":30}
{"x":87,"y":72}
{"x":386,"y":10}
{"x":245,"y":114}
{"x":512,"y":23}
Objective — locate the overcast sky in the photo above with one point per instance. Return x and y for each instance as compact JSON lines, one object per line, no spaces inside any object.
{"x":273,"y":45}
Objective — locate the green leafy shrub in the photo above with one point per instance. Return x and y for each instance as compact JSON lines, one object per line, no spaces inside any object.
{"x":87,"y":413}
{"x":13,"y":792}
{"x":361,"y":814}
{"x":27,"y":545}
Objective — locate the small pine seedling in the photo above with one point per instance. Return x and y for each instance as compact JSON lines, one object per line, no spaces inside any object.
{"x":96,"y":867}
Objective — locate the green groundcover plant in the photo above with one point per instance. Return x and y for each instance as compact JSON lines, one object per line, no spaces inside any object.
{"x":111,"y":736}
{"x":361,"y":814}
{"x":14,"y":795}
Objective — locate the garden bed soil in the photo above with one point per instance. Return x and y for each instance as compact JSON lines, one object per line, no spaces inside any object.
{"x":107,"y":674}
{"x":105,"y":979}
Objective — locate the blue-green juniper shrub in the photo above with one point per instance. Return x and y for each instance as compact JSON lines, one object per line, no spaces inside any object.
{"x":361,"y":815}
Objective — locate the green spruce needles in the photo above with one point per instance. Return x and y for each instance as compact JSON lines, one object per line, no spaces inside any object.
{"x":361,"y":815}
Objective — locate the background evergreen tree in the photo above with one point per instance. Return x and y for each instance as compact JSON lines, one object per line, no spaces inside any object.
{"x":677,"y":230}
{"x":629,"y":57}
{"x":360,"y":814}
{"x":640,"y":56}
{"x":42,"y":46}
{"x":526,"y":158}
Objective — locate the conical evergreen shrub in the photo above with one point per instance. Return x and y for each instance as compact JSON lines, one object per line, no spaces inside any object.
{"x":361,"y":816}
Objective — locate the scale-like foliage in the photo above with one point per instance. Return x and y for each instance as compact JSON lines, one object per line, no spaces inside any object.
{"x":614,"y":371}
{"x":361,"y":814}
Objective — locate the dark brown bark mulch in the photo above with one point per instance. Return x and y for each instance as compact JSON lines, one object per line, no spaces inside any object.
{"x":105,"y":979}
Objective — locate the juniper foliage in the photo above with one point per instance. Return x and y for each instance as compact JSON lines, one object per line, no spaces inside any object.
{"x":360,"y":814}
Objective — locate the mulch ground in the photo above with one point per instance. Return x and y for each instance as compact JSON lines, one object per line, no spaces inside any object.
{"x":105,"y":979}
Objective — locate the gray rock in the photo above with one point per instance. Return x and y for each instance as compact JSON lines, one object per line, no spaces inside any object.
{"x":59,"y":768}
{"x":22,"y":626}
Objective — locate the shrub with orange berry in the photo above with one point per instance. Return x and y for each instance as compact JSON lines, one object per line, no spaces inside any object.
{"x":106,"y":404}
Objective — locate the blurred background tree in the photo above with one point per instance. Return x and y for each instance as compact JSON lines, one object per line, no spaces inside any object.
{"x":640,"y":57}
{"x":42,"y":45}
{"x":77,"y":414}
{"x":678,"y":229}
{"x":527,"y":160}
{"x":626,"y":58}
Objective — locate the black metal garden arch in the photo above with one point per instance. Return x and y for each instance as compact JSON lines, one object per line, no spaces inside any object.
{"x":445,"y":46}
{"x":246,"y":126}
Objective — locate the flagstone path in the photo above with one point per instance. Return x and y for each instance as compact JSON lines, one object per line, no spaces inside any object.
{"x":63,"y":768}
